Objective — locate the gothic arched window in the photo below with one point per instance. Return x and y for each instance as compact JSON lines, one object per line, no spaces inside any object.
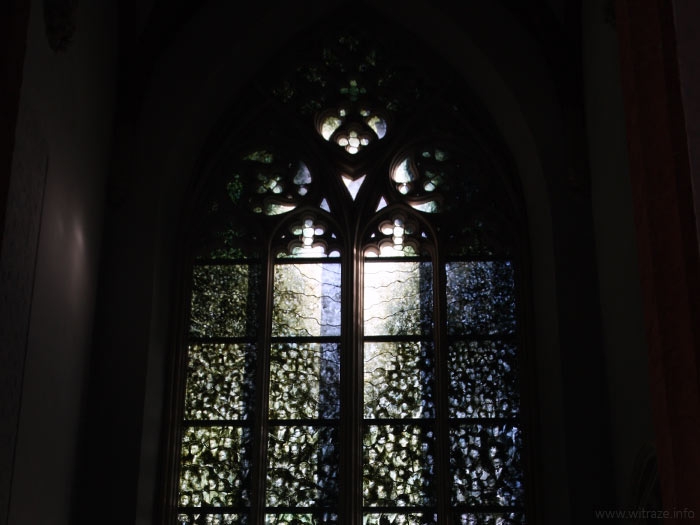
{"x":352,"y":343}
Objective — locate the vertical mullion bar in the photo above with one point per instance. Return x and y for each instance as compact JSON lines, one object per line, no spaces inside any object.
{"x":260,"y":423}
{"x":350,"y":510}
{"x":444,"y":487}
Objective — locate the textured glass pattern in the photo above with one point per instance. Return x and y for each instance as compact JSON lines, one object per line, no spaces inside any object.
{"x":398,"y":298}
{"x":485,"y":465}
{"x":306,"y":300}
{"x":480,"y":298}
{"x":413,"y":518}
{"x":304,"y":381}
{"x":483,"y":380}
{"x":399,"y":380}
{"x":215,"y":467}
{"x":301,"y":519}
{"x":224,"y":300}
{"x":302,"y":466}
{"x":398,"y":465}
{"x":499,"y":518}
{"x":211,"y":519}
{"x":220,"y":381}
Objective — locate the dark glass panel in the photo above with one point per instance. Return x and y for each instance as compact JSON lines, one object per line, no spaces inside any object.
{"x":302,"y":466}
{"x":398,"y":298}
{"x":483,"y":379}
{"x":211,"y":519}
{"x":399,"y":380}
{"x":215,"y":467}
{"x":480,"y":298}
{"x":224,"y":300}
{"x":485,"y":464}
{"x":304,"y":381}
{"x":398,"y":465}
{"x":220,"y":381}
{"x":413,"y":518}
{"x":224,"y":237}
{"x":306,"y":300}
{"x":289,"y":518}
{"x":499,"y":518}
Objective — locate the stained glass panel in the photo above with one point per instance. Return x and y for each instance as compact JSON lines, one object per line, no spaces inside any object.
{"x":301,"y":519}
{"x":211,"y":519}
{"x":304,"y":381}
{"x":224,"y":300}
{"x":215,"y":467}
{"x":483,"y":380}
{"x":302,"y":466}
{"x":398,"y":298}
{"x":399,"y":380}
{"x":398,"y":465}
{"x":499,"y":518}
{"x":413,"y":518}
{"x":306,"y":300}
{"x":485,"y":464}
{"x":480,"y":298}
{"x":220,"y":381}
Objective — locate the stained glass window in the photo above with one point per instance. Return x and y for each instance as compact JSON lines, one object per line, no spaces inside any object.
{"x":352,"y":351}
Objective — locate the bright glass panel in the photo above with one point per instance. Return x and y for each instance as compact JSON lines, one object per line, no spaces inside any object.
{"x":302,"y":466}
{"x":413,"y":518}
{"x":399,"y":379}
{"x":199,"y":518}
{"x":220,"y":381}
{"x":398,"y":466}
{"x":497,"y":518}
{"x":306,"y":300}
{"x":304,"y":381}
{"x":214,"y":467}
{"x":398,"y":298}
{"x":289,"y":518}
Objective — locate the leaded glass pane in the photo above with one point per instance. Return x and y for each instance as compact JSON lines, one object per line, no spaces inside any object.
{"x":398,"y":298}
{"x":289,"y":518}
{"x":306,"y":300}
{"x":399,"y":380}
{"x":224,"y":300}
{"x":498,"y":518}
{"x":480,"y":298}
{"x":220,"y":381}
{"x":211,"y":519}
{"x":485,"y":464}
{"x":398,"y":465}
{"x":483,"y":379}
{"x":302,"y":466}
{"x":215,"y":467}
{"x":304,"y":381}
{"x":413,"y":518}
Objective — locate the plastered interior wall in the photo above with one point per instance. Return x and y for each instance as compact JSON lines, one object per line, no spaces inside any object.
{"x":62,"y":158}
